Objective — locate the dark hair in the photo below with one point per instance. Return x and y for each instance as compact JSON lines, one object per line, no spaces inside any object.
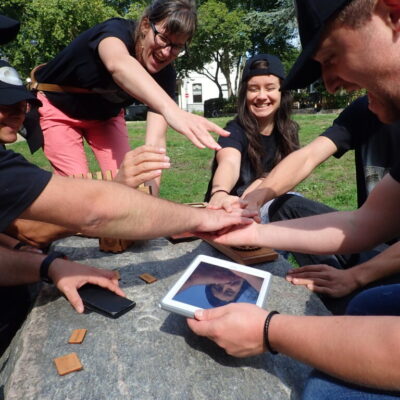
{"x":355,"y":14}
{"x":180,"y":16}
{"x":287,"y":140}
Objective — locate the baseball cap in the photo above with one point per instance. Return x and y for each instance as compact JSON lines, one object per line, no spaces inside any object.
{"x":8,"y":29}
{"x":12,"y":89}
{"x":275,"y":67}
{"x":312,"y":19}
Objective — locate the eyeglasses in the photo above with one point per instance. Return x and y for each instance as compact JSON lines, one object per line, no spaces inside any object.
{"x":161,"y":41}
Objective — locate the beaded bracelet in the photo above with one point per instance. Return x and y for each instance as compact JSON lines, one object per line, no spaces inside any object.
{"x":266,"y":327}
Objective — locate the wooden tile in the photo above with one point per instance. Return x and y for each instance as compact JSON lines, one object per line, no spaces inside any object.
{"x":246,"y":257}
{"x":68,"y":363}
{"x":77,"y":336}
{"x":148,"y":278}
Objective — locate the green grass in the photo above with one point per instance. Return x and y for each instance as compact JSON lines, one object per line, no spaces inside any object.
{"x":332,"y":183}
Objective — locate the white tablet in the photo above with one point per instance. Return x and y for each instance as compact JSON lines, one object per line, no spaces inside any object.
{"x":209,"y":282}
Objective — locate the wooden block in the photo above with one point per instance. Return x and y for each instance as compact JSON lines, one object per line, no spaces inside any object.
{"x":112,"y":245}
{"x":89,"y":175}
{"x":148,"y":278}
{"x":77,"y":336}
{"x":68,"y":363}
{"x":99,"y":175}
{"x":108,"y":176}
{"x":144,"y":189}
{"x":197,"y":205}
{"x":246,"y":257}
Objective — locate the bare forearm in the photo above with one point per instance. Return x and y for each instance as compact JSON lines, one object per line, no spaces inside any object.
{"x":384,"y":264}
{"x":112,"y":210}
{"x":361,"y":350}
{"x":35,"y":233}
{"x":339,"y":232}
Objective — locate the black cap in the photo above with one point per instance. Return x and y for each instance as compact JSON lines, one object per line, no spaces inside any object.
{"x":12,"y":90}
{"x":275,"y":67}
{"x":8,"y":29}
{"x":312,"y":19}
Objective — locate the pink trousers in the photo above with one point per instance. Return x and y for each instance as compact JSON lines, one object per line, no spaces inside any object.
{"x":63,"y":140}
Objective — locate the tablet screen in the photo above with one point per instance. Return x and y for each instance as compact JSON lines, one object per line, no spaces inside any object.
{"x":211,"y":286}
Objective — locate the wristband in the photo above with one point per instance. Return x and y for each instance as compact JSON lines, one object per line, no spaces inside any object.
{"x":266,"y":327}
{"x":219,"y":190}
{"x":19,"y":245}
{"x":45,"y":265}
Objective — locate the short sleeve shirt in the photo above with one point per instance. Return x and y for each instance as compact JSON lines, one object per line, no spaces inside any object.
{"x":238,"y":140}
{"x":376,"y":144}
{"x":20,"y":184}
{"x":79,"y":65}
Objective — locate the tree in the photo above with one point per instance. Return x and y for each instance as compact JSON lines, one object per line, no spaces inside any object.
{"x":222,"y":37}
{"x":47,"y":26}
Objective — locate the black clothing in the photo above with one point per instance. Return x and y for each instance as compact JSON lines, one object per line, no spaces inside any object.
{"x":238,"y":140}
{"x":20,"y":184}
{"x":375,"y":144}
{"x":79,"y":65}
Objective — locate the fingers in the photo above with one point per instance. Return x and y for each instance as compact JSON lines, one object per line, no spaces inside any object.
{"x":73,"y":297}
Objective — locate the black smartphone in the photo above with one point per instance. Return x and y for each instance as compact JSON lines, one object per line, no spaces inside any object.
{"x":104,"y":301}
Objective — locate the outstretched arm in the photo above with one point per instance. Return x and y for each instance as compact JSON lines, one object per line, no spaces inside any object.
{"x":129,"y":74}
{"x":377,"y":221}
{"x":335,"y":282}
{"x":293,"y":169}
{"x":225,"y":178}
{"x":109,"y":209}
{"x":355,"y":349}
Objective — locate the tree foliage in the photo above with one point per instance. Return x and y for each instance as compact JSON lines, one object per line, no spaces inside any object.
{"x":222,"y":37}
{"x":47,"y":26}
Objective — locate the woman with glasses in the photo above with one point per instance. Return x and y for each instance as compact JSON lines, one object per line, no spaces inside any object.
{"x":85,"y":88}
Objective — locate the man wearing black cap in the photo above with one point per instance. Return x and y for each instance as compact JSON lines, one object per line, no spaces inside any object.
{"x":352,"y":44}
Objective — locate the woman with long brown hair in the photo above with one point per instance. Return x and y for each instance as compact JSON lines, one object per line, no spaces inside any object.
{"x":261,"y":134}
{"x":85,"y":88}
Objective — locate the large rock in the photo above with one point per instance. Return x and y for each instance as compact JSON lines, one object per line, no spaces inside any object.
{"x":147,"y":353}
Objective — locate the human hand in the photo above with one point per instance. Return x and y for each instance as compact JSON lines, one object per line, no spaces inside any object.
{"x":69,"y":276}
{"x":238,"y":328}
{"x":225,"y":201}
{"x":219,"y":220}
{"x":197,"y":129}
{"x":143,"y":164}
{"x":235,"y":235}
{"x":324,"y":279}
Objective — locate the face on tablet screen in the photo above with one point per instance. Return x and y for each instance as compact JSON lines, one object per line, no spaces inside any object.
{"x":212,"y":286}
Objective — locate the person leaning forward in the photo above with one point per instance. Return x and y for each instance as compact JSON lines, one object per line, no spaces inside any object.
{"x":352,"y":45}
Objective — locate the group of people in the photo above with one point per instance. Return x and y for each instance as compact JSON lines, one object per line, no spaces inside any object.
{"x":351,"y":44}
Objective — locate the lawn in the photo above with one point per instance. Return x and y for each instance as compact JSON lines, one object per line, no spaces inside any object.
{"x":332,"y":183}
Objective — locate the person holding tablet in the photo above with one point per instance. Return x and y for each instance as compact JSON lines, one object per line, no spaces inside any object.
{"x":261,"y":134}
{"x":85,"y":88}
{"x":351,"y":44}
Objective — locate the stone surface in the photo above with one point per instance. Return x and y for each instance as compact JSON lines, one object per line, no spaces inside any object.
{"x":147,"y":353}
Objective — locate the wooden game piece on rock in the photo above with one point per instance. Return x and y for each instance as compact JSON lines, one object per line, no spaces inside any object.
{"x":246,"y":255}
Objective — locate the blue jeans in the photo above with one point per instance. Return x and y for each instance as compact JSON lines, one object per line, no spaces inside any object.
{"x":384,"y":300}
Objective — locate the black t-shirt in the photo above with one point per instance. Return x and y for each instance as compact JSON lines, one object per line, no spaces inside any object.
{"x":238,"y":140}
{"x":20,"y":184}
{"x":376,"y":145}
{"x":79,"y":65}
